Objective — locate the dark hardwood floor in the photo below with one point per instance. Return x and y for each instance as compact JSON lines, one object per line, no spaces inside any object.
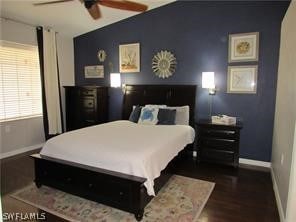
{"x":243,"y":194}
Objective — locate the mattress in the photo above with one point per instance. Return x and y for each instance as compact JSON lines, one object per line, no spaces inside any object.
{"x":122,"y":146}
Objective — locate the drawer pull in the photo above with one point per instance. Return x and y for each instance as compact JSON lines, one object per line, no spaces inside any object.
{"x":120,"y":193}
{"x":87,"y":92}
{"x":69,"y":179}
{"x":88,"y":103}
{"x":227,"y":140}
{"x":90,"y":185}
{"x":221,"y":131}
{"x":89,"y":121}
{"x":219,"y":140}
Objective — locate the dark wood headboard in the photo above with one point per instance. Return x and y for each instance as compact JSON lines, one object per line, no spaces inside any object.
{"x":171,"y":95}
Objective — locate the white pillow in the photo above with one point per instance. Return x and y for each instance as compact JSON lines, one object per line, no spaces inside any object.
{"x":155,"y":106}
{"x":148,"y":116}
{"x":182,"y":114}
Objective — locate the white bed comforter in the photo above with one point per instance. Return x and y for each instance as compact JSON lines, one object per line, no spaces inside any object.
{"x":122,"y":146}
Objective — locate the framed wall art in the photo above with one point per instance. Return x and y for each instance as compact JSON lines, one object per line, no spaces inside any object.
{"x":243,"y":47}
{"x":242,"y":79}
{"x":93,"y":72}
{"x":129,"y":58}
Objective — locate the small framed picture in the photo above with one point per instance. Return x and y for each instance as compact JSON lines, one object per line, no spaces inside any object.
{"x":92,"y":72}
{"x":243,"y":47}
{"x":129,"y":58}
{"x":242,"y":79}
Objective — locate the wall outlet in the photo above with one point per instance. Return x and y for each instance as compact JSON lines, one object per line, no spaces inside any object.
{"x":282,"y":159}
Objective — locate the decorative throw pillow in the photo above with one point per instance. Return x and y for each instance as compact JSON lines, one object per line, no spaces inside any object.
{"x":135,"y":114}
{"x":148,"y":116}
{"x":166,"y":117}
{"x":182,"y":114}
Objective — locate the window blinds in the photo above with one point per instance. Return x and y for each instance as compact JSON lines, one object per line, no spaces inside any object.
{"x":20,"y":84}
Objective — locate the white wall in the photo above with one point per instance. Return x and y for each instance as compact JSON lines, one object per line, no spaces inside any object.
{"x":291,"y":212}
{"x":18,"y":135}
{"x":285,"y":113}
{"x":26,"y":133}
{"x":17,"y":32}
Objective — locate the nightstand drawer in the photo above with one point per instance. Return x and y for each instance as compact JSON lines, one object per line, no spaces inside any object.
{"x":218,"y":133}
{"x":219,"y":144}
{"x":217,"y":155}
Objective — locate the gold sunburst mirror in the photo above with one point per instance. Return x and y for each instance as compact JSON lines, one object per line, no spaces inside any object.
{"x":164,"y":64}
{"x":102,"y":55}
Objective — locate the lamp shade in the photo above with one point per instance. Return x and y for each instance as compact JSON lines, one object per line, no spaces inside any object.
{"x":208,"y":80}
{"x":115,"y":79}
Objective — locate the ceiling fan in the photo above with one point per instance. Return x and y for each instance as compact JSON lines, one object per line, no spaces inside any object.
{"x":93,"y":5}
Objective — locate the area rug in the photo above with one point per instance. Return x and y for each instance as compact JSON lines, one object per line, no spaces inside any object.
{"x":180,"y":200}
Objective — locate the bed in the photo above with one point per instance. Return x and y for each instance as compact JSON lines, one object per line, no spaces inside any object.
{"x":125,"y":184}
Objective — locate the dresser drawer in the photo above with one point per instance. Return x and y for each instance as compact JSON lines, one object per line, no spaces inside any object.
{"x":88,"y":122}
{"x":86,"y":106}
{"x":88,"y":92}
{"x":88,"y":118}
{"x":115,"y":190}
{"x":218,"y":133}
{"x":217,"y":155}
{"x":88,"y":103}
{"x":219,"y":144}
{"x":51,"y":172}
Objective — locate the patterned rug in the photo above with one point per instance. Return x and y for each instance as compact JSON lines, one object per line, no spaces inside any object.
{"x":180,"y":200}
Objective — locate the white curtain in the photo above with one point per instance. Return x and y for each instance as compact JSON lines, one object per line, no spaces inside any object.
{"x":51,"y":82}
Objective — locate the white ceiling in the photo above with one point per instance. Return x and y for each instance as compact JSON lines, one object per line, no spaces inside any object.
{"x":69,"y":18}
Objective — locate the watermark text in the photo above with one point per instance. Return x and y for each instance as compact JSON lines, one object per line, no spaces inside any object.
{"x":23,"y":216}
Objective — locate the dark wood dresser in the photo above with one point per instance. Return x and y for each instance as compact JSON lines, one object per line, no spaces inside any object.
{"x":85,"y":106}
{"x":218,"y":143}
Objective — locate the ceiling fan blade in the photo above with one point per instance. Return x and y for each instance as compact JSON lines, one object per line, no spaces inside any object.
{"x":94,"y":11}
{"x":52,"y":2}
{"x":123,"y":4}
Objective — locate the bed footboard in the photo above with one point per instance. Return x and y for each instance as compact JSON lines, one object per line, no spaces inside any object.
{"x":114,"y":189}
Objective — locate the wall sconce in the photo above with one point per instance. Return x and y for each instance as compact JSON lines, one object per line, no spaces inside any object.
{"x":115,"y":80}
{"x":208,"y":82}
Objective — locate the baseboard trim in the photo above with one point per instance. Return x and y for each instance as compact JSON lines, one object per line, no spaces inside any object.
{"x":255,"y":162}
{"x":277,"y":197}
{"x":21,"y":150}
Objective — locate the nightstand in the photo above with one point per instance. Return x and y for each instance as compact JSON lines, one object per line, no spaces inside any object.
{"x":218,"y":143}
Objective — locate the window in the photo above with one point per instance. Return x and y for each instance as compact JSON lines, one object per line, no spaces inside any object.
{"x":20,"y":84}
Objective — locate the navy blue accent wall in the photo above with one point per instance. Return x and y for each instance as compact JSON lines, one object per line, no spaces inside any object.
{"x":197,"y":33}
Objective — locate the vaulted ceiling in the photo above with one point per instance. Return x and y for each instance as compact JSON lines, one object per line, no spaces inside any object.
{"x":69,"y":18}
